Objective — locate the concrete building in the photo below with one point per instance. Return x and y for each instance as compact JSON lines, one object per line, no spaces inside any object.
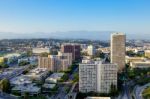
{"x":118,"y":41}
{"x":20,"y":80}
{"x":72,"y":48}
{"x":38,"y":74}
{"x":91,"y":50}
{"x":1,"y":59}
{"x":30,"y":88}
{"x":147,"y":53}
{"x":134,"y":59}
{"x":140,"y":64}
{"x":97,"y":76}
{"x":54,"y":78}
{"x":98,"y":98}
{"x":55,"y":63}
{"x":40,"y":50}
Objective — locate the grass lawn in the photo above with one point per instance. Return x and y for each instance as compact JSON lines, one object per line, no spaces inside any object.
{"x":146,"y":93}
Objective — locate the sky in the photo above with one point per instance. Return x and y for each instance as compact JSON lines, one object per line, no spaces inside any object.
{"x":28,"y":16}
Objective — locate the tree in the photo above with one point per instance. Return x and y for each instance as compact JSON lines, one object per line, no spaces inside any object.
{"x":3,"y":65}
{"x":26,"y":95}
{"x":113,"y":90}
{"x":5,"y":85}
{"x":44,"y":54}
{"x":29,"y":53}
{"x":23,"y":63}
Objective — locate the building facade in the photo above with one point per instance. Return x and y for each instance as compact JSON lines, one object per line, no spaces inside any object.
{"x":72,"y":48}
{"x":59,"y":62}
{"x":91,"y":50}
{"x":96,"y":76}
{"x":118,"y":50}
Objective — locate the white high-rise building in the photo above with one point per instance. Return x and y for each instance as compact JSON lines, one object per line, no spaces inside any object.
{"x":90,"y":50}
{"x":97,"y":76}
{"x":118,"y":49}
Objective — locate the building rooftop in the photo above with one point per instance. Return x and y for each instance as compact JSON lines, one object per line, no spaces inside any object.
{"x":117,"y":33}
{"x":27,"y":88}
{"x":20,"y":80}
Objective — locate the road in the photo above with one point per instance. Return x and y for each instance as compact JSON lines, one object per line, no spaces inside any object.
{"x":139,"y":89}
{"x":61,"y":90}
{"x":15,"y":72}
{"x":7,"y":96}
{"x":126,"y":93}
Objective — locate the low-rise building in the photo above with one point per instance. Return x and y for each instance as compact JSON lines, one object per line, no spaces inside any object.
{"x":40,"y":50}
{"x":140,"y":64}
{"x":98,"y":98}
{"x":1,"y":59}
{"x":38,"y":74}
{"x":32,"y":89}
{"x":134,"y":59}
{"x":20,"y":80}
{"x":54,"y":78}
{"x":147,"y":53}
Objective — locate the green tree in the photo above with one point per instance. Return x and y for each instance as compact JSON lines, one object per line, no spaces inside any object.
{"x":26,"y":95}
{"x":44,"y":54}
{"x":113,"y":90}
{"x":5,"y":85}
{"x":3,"y":65}
{"x":29,"y":53}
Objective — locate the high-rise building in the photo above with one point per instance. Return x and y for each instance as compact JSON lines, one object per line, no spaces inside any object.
{"x":91,"y":50}
{"x":59,"y":62}
{"x":96,"y":76}
{"x":118,"y":48}
{"x":72,"y":48}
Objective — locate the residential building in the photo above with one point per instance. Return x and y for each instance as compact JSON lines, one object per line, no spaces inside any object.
{"x":72,"y":48}
{"x":118,"y":41}
{"x":97,"y":76}
{"x":91,"y":50}
{"x":59,"y":62}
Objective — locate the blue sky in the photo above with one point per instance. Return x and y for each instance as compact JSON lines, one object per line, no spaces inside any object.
{"x":129,"y":16}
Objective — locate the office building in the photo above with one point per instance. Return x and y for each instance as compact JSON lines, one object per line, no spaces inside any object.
{"x":72,"y":48}
{"x":118,"y":50}
{"x":96,"y":76}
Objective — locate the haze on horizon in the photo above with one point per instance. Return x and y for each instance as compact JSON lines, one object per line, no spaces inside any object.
{"x":20,"y":17}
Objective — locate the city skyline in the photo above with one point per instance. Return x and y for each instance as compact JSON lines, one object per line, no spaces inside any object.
{"x":29,"y":17}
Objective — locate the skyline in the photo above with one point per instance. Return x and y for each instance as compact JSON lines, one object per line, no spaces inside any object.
{"x":21,"y":17}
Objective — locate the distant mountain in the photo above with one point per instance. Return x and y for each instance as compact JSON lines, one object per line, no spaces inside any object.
{"x":93,"y":35}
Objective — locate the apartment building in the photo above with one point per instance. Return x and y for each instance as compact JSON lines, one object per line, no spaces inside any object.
{"x":72,"y":48}
{"x":97,"y":76}
{"x":59,"y":62}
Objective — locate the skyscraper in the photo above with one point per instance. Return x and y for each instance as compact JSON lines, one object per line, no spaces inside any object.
{"x":118,"y":50}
